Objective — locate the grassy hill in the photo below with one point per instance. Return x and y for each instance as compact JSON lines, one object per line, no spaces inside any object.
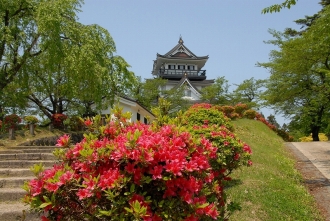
{"x":271,"y":189}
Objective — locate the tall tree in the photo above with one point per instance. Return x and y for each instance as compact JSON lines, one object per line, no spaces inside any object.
{"x":150,"y":91}
{"x":217,"y":93}
{"x":248,"y":92}
{"x":272,"y":120}
{"x":299,"y":84}
{"x":27,"y":29}
{"x":306,"y":22}
{"x":57,"y":60}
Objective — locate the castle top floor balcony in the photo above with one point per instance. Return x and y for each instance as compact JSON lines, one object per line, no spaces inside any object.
{"x":177,"y":74}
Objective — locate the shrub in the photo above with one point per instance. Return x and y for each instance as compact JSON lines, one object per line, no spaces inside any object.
{"x":125,"y":171}
{"x":234,"y":116}
{"x":31,"y":119}
{"x":227,"y":110}
{"x":240,"y":108}
{"x":11,"y":121}
{"x":250,"y":114}
{"x":210,"y":124}
{"x":130,"y":172}
{"x":211,"y":115}
{"x":57,"y":120}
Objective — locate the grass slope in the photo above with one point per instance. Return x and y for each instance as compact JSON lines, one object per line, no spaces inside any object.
{"x":271,"y":189}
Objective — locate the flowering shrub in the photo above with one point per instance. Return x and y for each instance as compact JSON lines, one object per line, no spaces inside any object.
{"x":240,"y":108}
{"x":250,"y":114}
{"x":132,"y":171}
{"x":57,"y":120}
{"x":227,"y":110}
{"x":282,"y":133}
{"x":211,"y":125}
{"x":234,"y":116}
{"x":31,"y":119}
{"x":11,"y":121}
{"x":199,"y":115}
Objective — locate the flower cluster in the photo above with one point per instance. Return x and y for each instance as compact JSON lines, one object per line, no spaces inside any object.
{"x":57,"y":120}
{"x":11,"y":121}
{"x":132,"y":171}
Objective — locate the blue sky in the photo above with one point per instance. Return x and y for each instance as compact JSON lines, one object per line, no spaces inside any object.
{"x":231,"y":32}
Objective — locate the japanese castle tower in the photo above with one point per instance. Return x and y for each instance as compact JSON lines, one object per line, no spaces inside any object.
{"x":182,"y":67}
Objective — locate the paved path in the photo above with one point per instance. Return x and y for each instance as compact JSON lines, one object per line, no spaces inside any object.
{"x":313,"y":161}
{"x":318,"y":153}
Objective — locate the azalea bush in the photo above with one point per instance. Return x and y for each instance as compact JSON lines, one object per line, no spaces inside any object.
{"x":131,"y":171}
{"x":231,"y":152}
{"x":206,"y":114}
{"x":250,"y":114}
{"x":58,"y":119}
{"x":280,"y":132}
{"x":11,"y":121}
{"x":240,"y":109}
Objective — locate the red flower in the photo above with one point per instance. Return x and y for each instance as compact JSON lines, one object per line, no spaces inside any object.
{"x":63,"y":141}
{"x":83,"y":193}
{"x":44,"y":218}
{"x":156,"y":172}
{"x":88,"y":122}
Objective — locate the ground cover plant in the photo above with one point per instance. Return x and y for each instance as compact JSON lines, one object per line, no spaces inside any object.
{"x":272,"y":189}
{"x":132,"y":171}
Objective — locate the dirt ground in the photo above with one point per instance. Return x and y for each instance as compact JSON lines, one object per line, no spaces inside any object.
{"x":315,"y":182}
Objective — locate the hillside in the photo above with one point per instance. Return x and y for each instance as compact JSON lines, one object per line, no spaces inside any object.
{"x":271,"y":189}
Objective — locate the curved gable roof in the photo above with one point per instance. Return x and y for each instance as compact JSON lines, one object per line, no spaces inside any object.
{"x":181,"y":51}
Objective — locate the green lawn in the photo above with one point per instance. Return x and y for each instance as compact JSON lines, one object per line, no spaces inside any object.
{"x":271,"y":189}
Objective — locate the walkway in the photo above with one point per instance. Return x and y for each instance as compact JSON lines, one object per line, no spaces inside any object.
{"x":313,"y":161}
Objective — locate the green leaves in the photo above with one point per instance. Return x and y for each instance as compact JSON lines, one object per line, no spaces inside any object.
{"x":37,"y":168}
{"x":278,"y":7}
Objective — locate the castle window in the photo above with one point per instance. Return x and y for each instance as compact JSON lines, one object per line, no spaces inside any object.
{"x":181,"y":67}
{"x":138,"y":116}
{"x":171,"y":66}
{"x":191,"y":67}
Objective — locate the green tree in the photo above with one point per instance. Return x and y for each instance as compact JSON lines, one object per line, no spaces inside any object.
{"x":306,"y":22}
{"x":217,"y":93}
{"x":248,"y":92}
{"x":58,"y":62}
{"x":149,"y":92}
{"x":300,"y":75}
{"x":27,"y":29}
{"x":272,"y":120}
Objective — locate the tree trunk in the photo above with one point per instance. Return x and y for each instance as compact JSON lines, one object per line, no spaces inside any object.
{"x":1,"y":113}
{"x":315,"y":133}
